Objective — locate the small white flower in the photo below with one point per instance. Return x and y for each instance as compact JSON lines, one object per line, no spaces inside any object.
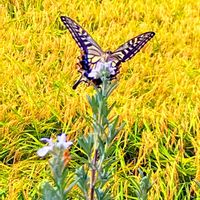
{"x":101,"y":68}
{"x":53,"y":146}
{"x":45,"y":150}
{"x":62,"y":144}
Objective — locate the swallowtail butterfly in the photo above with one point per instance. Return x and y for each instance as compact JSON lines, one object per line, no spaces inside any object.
{"x":92,"y":52}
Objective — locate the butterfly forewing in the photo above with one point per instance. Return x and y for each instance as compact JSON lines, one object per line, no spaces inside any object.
{"x":83,"y":39}
{"x":131,"y":47}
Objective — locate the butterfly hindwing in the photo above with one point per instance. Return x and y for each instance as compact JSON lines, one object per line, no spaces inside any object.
{"x":131,"y":47}
{"x":83,"y":39}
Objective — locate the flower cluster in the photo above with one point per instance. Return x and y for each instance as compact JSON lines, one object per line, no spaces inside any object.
{"x":54,"y":147}
{"x":101,"y":69}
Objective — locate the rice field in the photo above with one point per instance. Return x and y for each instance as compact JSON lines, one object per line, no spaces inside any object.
{"x":158,"y":95}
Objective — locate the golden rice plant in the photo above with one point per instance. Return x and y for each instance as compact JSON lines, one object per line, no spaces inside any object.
{"x":158,"y":94}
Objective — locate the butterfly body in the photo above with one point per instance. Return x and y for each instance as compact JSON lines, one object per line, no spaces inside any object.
{"x":92,"y":54}
{"x":85,"y":69}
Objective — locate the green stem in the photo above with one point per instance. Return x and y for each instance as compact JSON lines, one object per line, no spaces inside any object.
{"x":92,"y":183}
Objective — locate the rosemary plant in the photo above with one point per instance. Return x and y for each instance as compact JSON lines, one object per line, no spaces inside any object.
{"x":94,"y":175}
{"x":60,"y":157}
{"x":98,"y":145}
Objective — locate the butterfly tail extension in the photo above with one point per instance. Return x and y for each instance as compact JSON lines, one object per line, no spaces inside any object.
{"x":81,"y":79}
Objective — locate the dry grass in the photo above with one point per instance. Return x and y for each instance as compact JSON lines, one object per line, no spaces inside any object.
{"x":158,"y":94}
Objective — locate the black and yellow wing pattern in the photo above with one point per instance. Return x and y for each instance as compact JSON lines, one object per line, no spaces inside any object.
{"x":84,"y":40}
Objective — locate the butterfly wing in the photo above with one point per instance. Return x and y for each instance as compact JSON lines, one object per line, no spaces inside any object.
{"x":84,"y":40}
{"x":130,"y":48}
